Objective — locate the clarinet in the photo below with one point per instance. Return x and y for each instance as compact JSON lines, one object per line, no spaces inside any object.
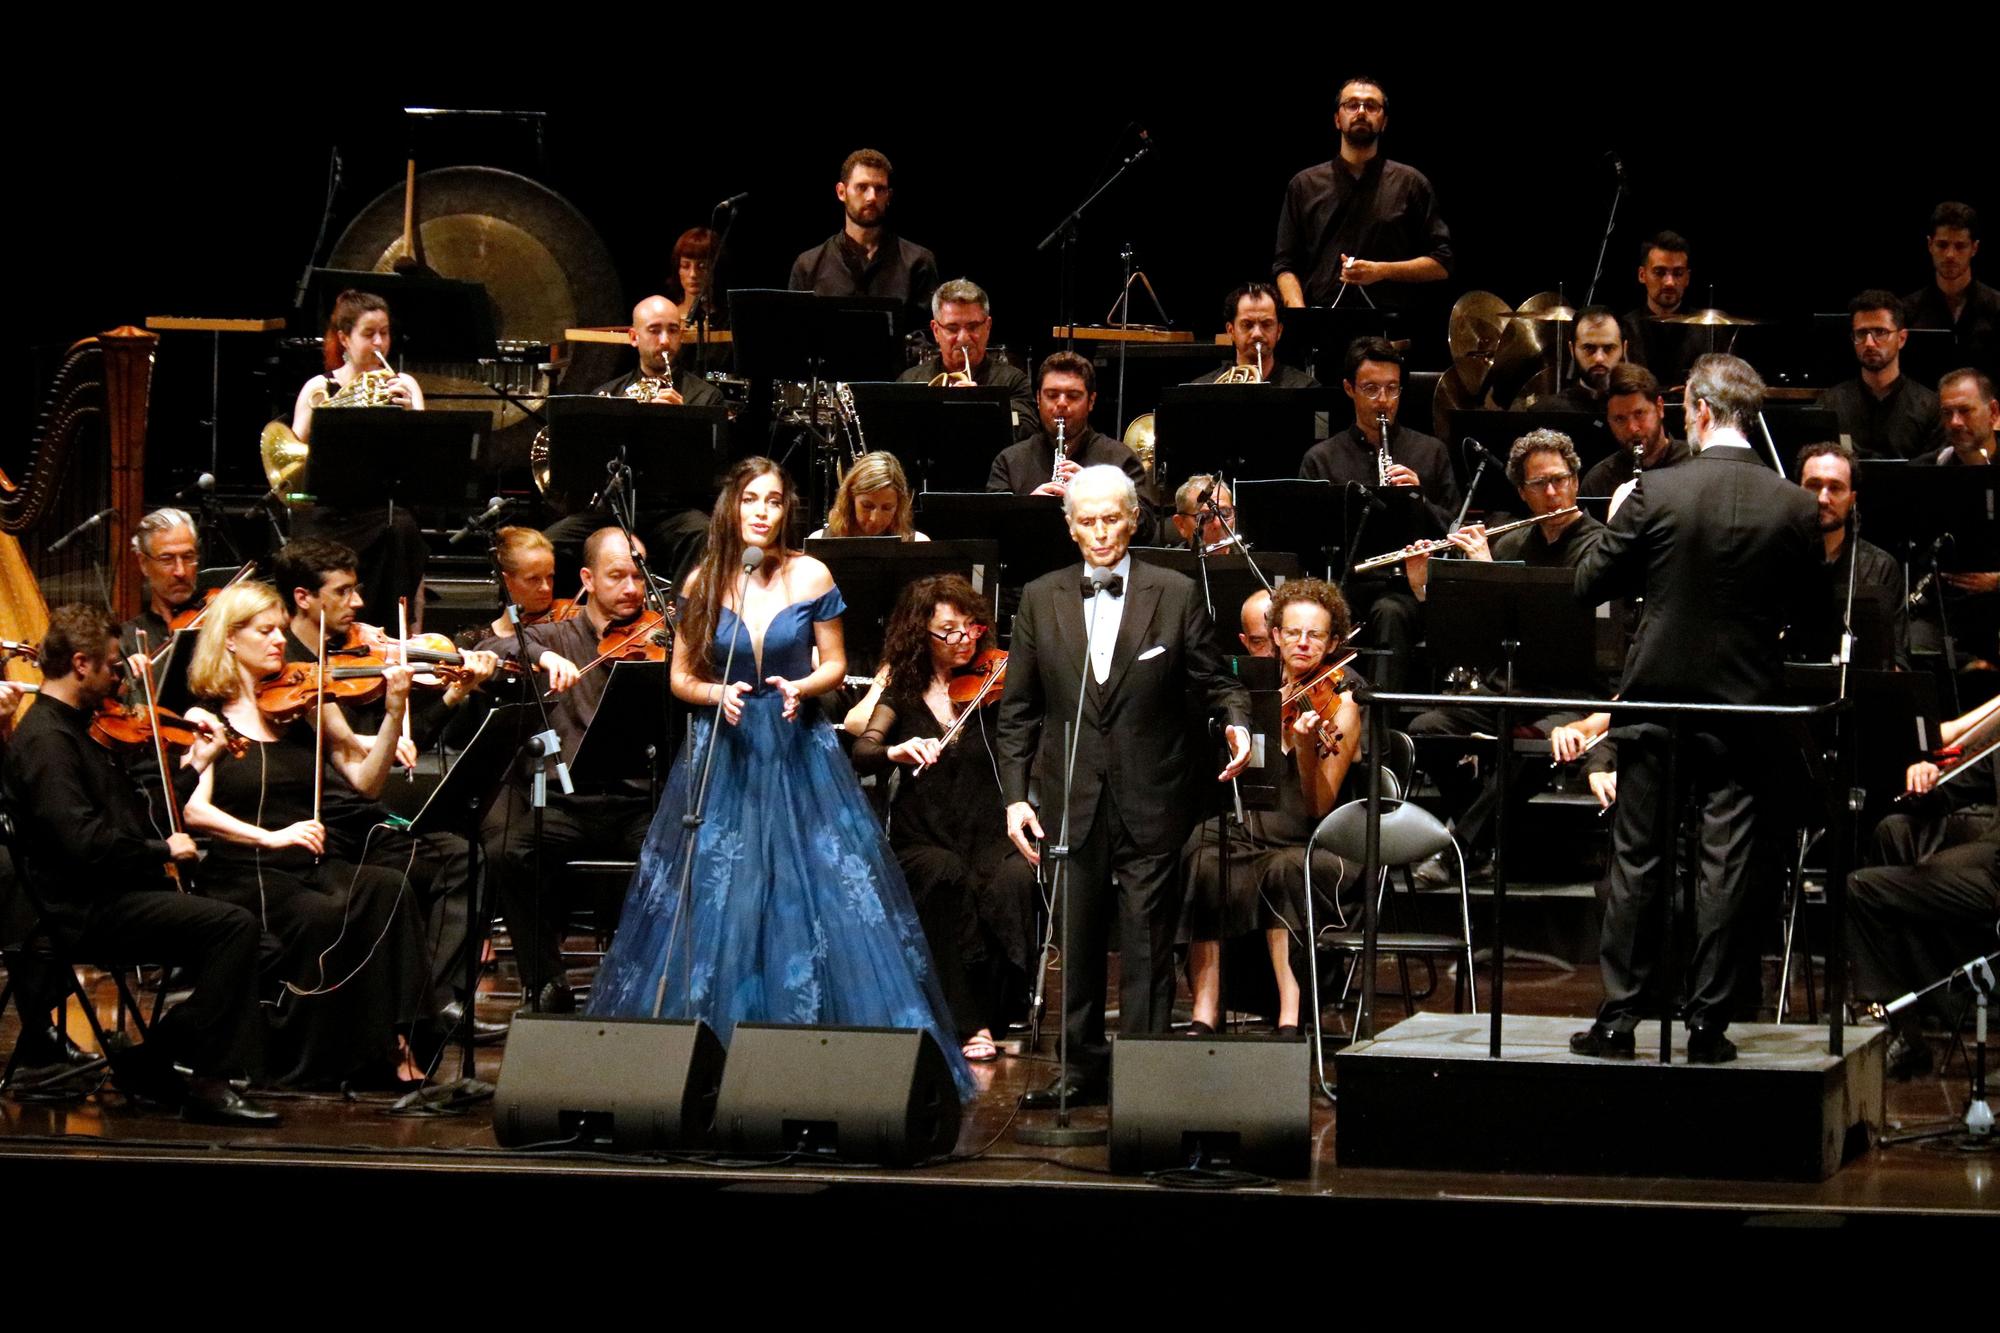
{"x":1382,"y":459}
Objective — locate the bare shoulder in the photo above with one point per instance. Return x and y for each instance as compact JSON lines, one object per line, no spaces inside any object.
{"x":808,"y":577}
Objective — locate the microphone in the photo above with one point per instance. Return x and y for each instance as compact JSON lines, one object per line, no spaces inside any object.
{"x":729,"y":205}
{"x":494,"y":508}
{"x":1617,"y":164}
{"x":1483,"y":452}
{"x":201,"y":485}
{"x":1371,"y":502}
{"x":753,"y":556}
{"x":1100,"y":576}
{"x":94,"y":521}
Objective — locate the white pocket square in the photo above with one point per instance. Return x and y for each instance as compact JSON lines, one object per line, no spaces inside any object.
{"x":1154,"y":651}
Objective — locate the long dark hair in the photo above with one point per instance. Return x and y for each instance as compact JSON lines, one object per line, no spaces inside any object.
{"x":722,"y":563}
{"x":906,"y":643}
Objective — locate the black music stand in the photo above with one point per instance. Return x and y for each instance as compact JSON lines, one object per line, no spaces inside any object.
{"x":781,"y":335}
{"x":1262,"y":678}
{"x":434,"y":318}
{"x":1478,"y":608}
{"x":675,"y":453}
{"x":458,"y":804}
{"x":1231,"y":580}
{"x":1896,"y":717}
{"x":364,"y":456}
{"x":1904,"y":507}
{"x":1318,"y":335}
{"x":945,"y":438}
{"x":1874,"y":630}
{"x":1236,"y":430}
{"x":631,"y":732}
{"x":1030,"y":530}
{"x":1294,"y":515}
{"x":871,"y":573}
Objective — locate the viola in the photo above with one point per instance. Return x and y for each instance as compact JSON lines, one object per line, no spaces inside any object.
{"x":118,"y":726}
{"x":434,"y":650}
{"x":1319,"y":694}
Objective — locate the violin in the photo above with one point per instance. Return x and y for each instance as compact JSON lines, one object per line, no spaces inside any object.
{"x":559,"y":610}
{"x":647,"y":638}
{"x":190,"y":616}
{"x":118,"y":726}
{"x":974,"y":686}
{"x":1319,"y":694}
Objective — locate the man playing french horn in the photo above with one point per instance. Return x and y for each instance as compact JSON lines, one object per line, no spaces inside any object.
{"x":1250,"y":318}
{"x":656,"y":332}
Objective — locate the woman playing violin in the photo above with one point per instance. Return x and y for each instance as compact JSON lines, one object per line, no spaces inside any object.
{"x":354,"y":964}
{"x":973,"y":892}
{"x":526,"y":563}
{"x":1267,"y":872}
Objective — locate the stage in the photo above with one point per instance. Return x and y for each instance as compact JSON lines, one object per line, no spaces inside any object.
{"x":352,"y":1153}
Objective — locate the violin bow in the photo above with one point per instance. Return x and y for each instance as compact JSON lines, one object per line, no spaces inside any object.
{"x":319,"y":721}
{"x":160,"y":754}
{"x":174,"y":638}
{"x":403,"y":659}
{"x":958,"y":723}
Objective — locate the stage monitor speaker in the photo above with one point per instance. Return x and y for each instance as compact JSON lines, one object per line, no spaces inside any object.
{"x":1237,"y":1102}
{"x":863,"y":1094}
{"x":636,"y":1083}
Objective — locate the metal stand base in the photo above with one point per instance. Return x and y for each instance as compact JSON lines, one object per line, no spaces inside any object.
{"x":1062,"y":1136}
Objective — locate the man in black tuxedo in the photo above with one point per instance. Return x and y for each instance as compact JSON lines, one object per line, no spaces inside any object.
{"x":1722,"y":548}
{"x":1143,"y":636}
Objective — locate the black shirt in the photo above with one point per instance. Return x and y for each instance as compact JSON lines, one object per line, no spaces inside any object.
{"x":80,"y":823}
{"x":992,"y":373}
{"x":693,"y":389}
{"x":1615,"y":468}
{"x":1875,"y":569}
{"x":1530,"y":547}
{"x":1975,"y":335}
{"x":1020,"y":468}
{"x":902,"y":269}
{"x":1388,"y":213}
{"x":1349,"y":457}
{"x":1900,"y":424}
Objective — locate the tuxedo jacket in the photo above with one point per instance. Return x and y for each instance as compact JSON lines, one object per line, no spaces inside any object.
{"x":1134,"y":742}
{"x":1726,"y":553}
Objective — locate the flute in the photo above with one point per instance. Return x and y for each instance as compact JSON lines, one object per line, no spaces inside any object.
{"x":1435,"y":545}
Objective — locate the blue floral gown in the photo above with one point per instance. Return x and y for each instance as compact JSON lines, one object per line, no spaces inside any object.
{"x":799,"y":912}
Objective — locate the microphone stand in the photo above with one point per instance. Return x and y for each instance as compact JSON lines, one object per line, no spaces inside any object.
{"x":1065,"y":235}
{"x":1604,"y":246}
{"x":1973,"y":1133}
{"x":697,"y":812}
{"x":1944,"y":625}
{"x":1478,"y":474}
{"x":543,"y":748}
{"x":622,"y":499}
{"x":1062,"y":1134}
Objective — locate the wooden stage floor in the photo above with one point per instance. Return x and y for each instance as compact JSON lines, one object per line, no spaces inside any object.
{"x":102,"y":1140}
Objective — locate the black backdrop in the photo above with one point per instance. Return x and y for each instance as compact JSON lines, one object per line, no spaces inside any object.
{"x":164,"y":184}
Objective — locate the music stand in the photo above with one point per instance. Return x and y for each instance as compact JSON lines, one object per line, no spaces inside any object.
{"x":1236,"y":430}
{"x":1319,"y":335}
{"x":1231,"y":580}
{"x":365,"y":456}
{"x":781,"y":335}
{"x":1258,"y":785}
{"x":458,"y":804}
{"x":1874,"y":630}
{"x":1477,"y":607}
{"x":945,"y":438}
{"x":1294,"y":515}
{"x":1924,"y":358}
{"x":1032,"y":536}
{"x":630,"y":733}
{"x":871,"y":573}
{"x":1904,"y":508}
{"x":675,"y":453}
{"x":1896,"y":716}
{"x":435,"y":318}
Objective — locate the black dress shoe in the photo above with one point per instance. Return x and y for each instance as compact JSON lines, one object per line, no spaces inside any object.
{"x":1707,"y":1046}
{"x":211,"y":1101}
{"x":1200,"y":1029}
{"x":556,"y":998}
{"x":1286,"y":1030}
{"x":1907,"y":1058}
{"x":51,"y":1047}
{"x":483,"y":1032}
{"x":1082,"y":1092}
{"x":1603,"y":1043}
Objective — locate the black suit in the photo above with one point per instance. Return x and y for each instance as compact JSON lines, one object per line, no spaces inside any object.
{"x":1136,"y":773}
{"x":1725,"y":552}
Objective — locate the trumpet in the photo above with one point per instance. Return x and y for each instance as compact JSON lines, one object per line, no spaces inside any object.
{"x":1444,"y":543}
{"x":1382,"y":460}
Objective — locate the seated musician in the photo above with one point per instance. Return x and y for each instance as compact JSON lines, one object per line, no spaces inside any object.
{"x":167,"y":546}
{"x":526,"y":564}
{"x":1255,"y":634}
{"x":865,"y":258}
{"x":690,"y":288}
{"x":1933,"y":901}
{"x":1827,"y":470}
{"x":1954,"y":299}
{"x":391,"y":547}
{"x":356,"y":972}
{"x":1374,"y":385}
{"x":1664,"y":273}
{"x":96,"y":860}
{"x":1542,"y":465}
{"x":1203,"y":506}
{"x":1635,"y":412}
{"x":873,"y":501}
{"x":1064,"y":400}
{"x":974,"y":893}
{"x":962,"y":324}
{"x":606,"y":821}
{"x":1251,"y":317}
{"x":1267,"y":881}
{"x":1883,"y":413}
{"x":1596,"y":347}
{"x":1969,"y":407}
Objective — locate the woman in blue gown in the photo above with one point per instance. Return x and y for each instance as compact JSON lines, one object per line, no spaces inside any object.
{"x":797,"y":911}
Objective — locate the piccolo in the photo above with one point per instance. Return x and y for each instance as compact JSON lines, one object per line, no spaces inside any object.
{"x":1444,"y":543}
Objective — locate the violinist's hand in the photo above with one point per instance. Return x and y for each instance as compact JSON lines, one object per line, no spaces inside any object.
{"x":1239,"y":752}
{"x":562,"y":671}
{"x":480,"y":667}
{"x":1403,"y":475}
{"x":1305,"y":724}
{"x":307,"y":833}
{"x":1604,"y":786}
{"x":397,"y":678}
{"x":10,"y":697}
{"x":406,"y":752}
{"x":1471,"y":539}
{"x":181,"y":847}
{"x":790,"y":690}
{"x":732,"y":700}
{"x":917,"y":752}
{"x":1921,"y":777}
{"x":1566,"y":744}
{"x":1020,"y":819}
{"x":211,"y":737}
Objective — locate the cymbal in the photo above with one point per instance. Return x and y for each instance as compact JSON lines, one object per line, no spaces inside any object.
{"x":1545,"y":308}
{"x":1474,"y":333}
{"x":1710,"y":317}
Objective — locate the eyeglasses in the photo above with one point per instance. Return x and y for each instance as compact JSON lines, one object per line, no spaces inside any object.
{"x":1872,"y":335}
{"x":1362,"y":104}
{"x":1289,"y":634}
{"x":1226,"y":512}
{"x":969,"y":634}
{"x":1379,"y":393}
{"x":959,"y":330}
{"x":175,"y":561}
{"x":1559,"y":480}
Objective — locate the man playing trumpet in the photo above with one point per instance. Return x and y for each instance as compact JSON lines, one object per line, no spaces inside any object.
{"x":962,"y":322}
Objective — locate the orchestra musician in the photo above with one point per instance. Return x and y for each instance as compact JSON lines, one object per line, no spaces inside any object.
{"x":866,"y":258}
{"x":1255,"y":620}
{"x":1267,"y":881}
{"x":974,"y":894}
{"x":1954,"y":299}
{"x":1193,"y":516}
{"x":1882,"y":411}
{"x":1724,"y":551}
{"x":1636,"y":413}
{"x":1969,"y":407}
{"x":391,"y":547}
{"x":526,"y":563}
{"x":873,"y":501}
{"x":356,"y":1006}
{"x":167,"y":545}
{"x":1664,"y":272}
{"x":1596,"y":348}
{"x":96,"y":859}
{"x":1140,"y":636}
{"x":1827,"y":470}
{"x":1066,"y":395}
{"x":962,"y":324}
{"x":1252,"y":319}
{"x":1360,"y":219}
{"x":690,"y":287}
{"x":605,"y":820}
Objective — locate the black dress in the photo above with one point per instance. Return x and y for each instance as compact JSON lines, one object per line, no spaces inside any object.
{"x":350,"y":934}
{"x":975,"y":895}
